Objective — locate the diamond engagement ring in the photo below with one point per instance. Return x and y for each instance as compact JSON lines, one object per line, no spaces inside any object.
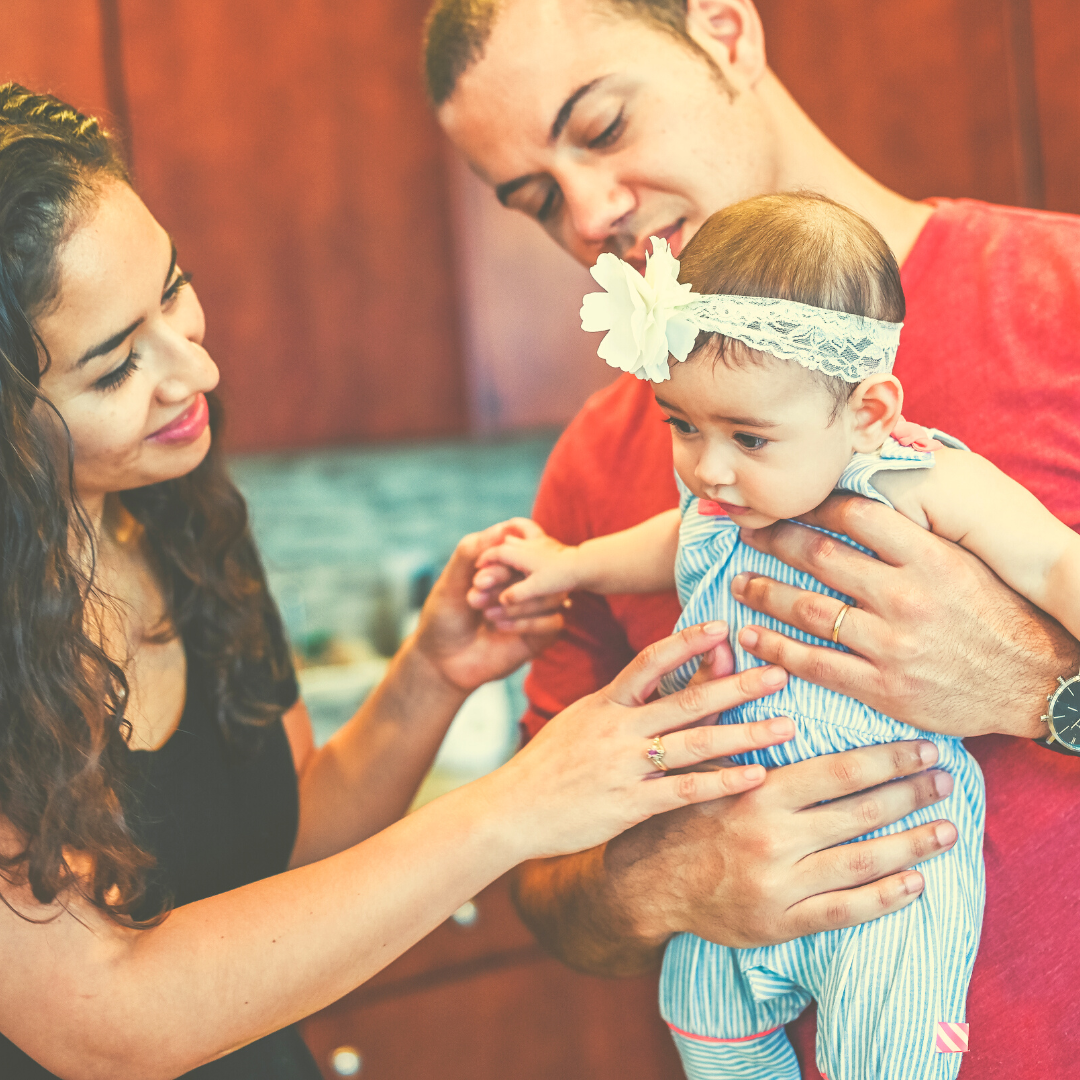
{"x":655,"y":753}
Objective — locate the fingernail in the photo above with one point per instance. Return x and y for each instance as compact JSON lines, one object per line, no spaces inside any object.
{"x":749,"y":639}
{"x":943,"y":783}
{"x":774,"y":676}
{"x":928,"y":753}
{"x":738,"y":583}
{"x":753,"y":773}
{"x":945,"y":834}
{"x":711,"y":628}
{"x":782,"y":726}
{"x":913,"y":884}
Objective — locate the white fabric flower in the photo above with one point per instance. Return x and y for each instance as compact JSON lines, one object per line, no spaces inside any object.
{"x":645,"y":317}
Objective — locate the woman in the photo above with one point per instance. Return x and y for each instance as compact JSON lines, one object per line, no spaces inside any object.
{"x":183,"y":873}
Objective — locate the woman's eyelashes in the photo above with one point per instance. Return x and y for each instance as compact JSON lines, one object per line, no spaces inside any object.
{"x":171,"y":293}
{"x":119,"y":375}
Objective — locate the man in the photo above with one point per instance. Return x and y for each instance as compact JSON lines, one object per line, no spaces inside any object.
{"x":611,"y":121}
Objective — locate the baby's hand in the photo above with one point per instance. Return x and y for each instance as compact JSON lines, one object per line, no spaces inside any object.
{"x":526,"y":575}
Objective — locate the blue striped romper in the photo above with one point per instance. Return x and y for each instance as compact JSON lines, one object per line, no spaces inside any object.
{"x":882,"y":986}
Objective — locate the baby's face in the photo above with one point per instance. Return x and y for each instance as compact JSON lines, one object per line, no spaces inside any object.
{"x":756,"y":437}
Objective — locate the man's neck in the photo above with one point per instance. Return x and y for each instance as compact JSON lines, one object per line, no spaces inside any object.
{"x":810,"y":162}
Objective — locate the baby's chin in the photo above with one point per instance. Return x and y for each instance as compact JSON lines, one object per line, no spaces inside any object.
{"x":752,"y":519}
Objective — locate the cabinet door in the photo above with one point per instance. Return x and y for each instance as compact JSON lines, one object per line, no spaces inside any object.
{"x":532,"y":1020}
{"x":1055,"y":28}
{"x":915,"y":91}
{"x":290,"y":150}
{"x":61,"y":56}
{"x":478,"y":999}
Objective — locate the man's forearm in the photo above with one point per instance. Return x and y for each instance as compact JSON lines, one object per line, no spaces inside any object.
{"x":577,"y":910}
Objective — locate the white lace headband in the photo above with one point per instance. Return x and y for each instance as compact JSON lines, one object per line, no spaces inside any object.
{"x":646,"y":318}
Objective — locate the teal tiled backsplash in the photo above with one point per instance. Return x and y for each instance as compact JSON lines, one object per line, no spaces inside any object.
{"x":348,"y":536}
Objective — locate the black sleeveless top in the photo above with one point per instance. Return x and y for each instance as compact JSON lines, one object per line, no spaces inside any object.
{"x":215,"y":819}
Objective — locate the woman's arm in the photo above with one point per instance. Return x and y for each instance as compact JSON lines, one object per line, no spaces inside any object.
{"x":966,"y":499}
{"x":637,"y":560}
{"x":88,"y":999}
{"x":366,"y":775}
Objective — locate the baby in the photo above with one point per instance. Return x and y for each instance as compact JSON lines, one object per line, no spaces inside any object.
{"x":787,"y":394}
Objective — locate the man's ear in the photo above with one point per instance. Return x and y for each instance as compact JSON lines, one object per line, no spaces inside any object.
{"x":876,"y":403}
{"x":730,"y":31}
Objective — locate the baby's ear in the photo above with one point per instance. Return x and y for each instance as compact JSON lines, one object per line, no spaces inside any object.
{"x":876,"y":404}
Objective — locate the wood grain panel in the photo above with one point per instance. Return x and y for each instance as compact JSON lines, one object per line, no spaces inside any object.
{"x":1056,"y":35}
{"x":913,"y":90}
{"x":61,"y":56}
{"x":496,"y":933}
{"x":530,"y":363}
{"x":531,"y":1021}
{"x":290,"y":151}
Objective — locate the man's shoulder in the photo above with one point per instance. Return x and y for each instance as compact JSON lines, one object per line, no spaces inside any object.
{"x":618,"y":419}
{"x":612,"y":466}
{"x":966,"y":238}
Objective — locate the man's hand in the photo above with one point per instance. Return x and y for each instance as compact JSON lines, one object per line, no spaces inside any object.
{"x":937,"y":640}
{"x":752,"y":869}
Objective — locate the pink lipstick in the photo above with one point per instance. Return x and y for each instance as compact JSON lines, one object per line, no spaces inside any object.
{"x":187,"y":427}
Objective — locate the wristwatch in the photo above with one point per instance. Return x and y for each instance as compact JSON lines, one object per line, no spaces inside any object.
{"x":1063,"y":716}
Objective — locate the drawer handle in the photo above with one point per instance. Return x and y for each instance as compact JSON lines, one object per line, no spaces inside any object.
{"x":346,"y":1061}
{"x":466,"y":915}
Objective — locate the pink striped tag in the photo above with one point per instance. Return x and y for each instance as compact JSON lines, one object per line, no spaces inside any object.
{"x":950,"y":1038}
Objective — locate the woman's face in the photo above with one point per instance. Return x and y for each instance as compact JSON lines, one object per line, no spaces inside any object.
{"x":128,"y":372}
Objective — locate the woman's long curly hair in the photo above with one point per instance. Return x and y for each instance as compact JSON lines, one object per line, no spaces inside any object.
{"x":64,"y":761}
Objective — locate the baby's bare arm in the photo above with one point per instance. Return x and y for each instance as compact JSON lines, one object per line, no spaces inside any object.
{"x":636,"y":560}
{"x":640,"y":559}
{"x":966,"y":499}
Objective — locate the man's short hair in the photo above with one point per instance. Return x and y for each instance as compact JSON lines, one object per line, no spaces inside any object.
{"x":457,"y":31}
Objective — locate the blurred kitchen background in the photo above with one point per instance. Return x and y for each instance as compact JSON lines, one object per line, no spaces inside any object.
{"x":398,"y":354}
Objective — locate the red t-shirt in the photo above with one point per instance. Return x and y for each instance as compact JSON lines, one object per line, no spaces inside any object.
{"x":990,"y":353}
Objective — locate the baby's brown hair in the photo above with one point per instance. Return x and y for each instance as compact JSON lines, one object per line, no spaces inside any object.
{"x":797,"y":246}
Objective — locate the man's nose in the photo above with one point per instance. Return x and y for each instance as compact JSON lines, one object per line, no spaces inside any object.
{"x":596,"y":202}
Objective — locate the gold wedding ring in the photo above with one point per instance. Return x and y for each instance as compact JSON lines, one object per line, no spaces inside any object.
{"x":655,"y":753}
{"x":836,"y":625}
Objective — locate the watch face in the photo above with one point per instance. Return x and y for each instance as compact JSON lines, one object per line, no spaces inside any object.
{"x":1065,"y":714}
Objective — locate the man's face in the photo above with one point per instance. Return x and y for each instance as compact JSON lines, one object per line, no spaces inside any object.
{"x":607,"y":130}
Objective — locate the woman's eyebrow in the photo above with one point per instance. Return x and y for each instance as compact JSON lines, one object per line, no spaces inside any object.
{"x":107,"y":346}
{"x":116,"y":340}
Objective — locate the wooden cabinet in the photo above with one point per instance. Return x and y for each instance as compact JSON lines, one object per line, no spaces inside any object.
{"x":481,"y":1001}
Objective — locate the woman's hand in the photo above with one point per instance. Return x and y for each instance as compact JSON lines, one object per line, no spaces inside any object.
{"x":463,"y":647}
{"x":937,"y":640}
{"x":586,"y":776}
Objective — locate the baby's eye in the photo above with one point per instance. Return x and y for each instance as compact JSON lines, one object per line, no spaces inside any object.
{"x":683,"y":427}
{"x":749,"y":442}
